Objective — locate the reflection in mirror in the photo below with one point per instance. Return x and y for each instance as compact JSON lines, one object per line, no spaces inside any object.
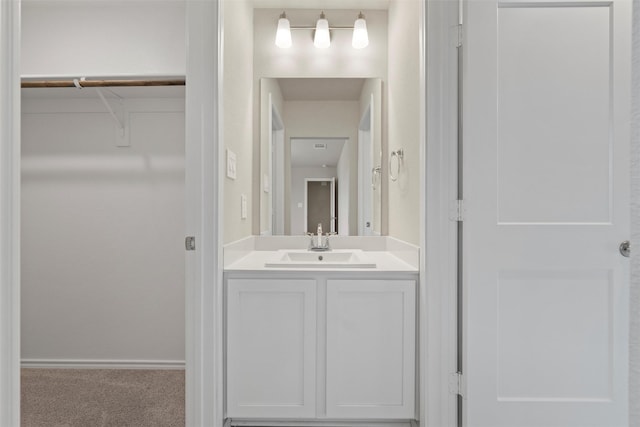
{"x":317,"y":167}
{"x":320,"y":162}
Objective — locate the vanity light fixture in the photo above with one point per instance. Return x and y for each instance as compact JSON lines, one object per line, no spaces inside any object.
{"x":322,"y":38}
{"x":322,"y":35}
{"x":283,"y":34}
{"x":360,"y":36}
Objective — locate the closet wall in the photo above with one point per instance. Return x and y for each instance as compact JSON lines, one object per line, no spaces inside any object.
{"x":102,"y":225}
{"x":103,"y":37}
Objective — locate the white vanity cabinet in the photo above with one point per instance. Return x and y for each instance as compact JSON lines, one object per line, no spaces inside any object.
{"x":271,"y":348}
{"x":330,"y":347}
{"x":371,"y":331}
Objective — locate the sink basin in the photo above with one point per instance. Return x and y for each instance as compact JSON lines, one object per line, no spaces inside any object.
{"x":333,"y":259}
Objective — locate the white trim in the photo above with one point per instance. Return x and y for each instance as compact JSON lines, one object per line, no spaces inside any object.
{"x":276,"y":172}
{"x":438,"y":266}
{"x":204,"y":178}
{"x":365,"y":171}
{"x":102,"y":364}
{"x":320,"y":423}
{"x":10,"y":213}
{"x":634,"y":332}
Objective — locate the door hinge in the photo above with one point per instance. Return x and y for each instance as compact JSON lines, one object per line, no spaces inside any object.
{"x":456,"y":383}
{"x":457,"y":212}
{"x":190,"y":243}
{"x":460,"y":36}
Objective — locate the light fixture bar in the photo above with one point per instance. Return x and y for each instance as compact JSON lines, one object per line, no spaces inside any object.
{"x":313,"y":27}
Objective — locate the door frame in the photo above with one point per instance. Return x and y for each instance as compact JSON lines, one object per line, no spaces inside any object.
{"x":10,"y":213}
{"x":438,"y":303}
{"x":276,"y":174}
{"x":204,"y":198}
{"x":365,"y":167}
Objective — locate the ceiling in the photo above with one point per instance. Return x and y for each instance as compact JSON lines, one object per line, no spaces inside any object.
{"x":322,"y":4}
{"x":303,"y":153}
{"x":321,"y":89}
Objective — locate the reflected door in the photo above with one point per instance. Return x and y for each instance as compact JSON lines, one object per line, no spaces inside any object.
{"x":546,"y":182}
{"x":320,"y":201}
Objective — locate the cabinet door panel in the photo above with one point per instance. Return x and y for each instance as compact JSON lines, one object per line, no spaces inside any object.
{"x":271,"y":348}
{"x":370,"y":348}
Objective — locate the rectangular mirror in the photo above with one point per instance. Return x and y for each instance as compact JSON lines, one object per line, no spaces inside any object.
{"x":321,"y":155}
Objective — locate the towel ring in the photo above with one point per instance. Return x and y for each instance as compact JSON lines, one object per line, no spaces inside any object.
{"x":399,"y":155}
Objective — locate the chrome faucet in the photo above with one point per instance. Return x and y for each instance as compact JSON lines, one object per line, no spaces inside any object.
{"x":318,"y":241}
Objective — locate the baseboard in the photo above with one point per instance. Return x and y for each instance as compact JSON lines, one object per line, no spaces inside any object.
{"x":102,"y":364}
{"x":318,"y":423}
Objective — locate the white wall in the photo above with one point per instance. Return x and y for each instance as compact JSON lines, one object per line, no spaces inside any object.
{"x":238,"y":107}
{"x":404,"y":119}
{"x":103,"y":38}
{"x":298,"y":176}
{"x":102,"y":231}
{"x":329,"y":119}
{"x":343,"y":172}
{"x":634,"y":339}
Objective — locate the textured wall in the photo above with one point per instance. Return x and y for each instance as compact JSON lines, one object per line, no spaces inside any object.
{"x":634,"y":380}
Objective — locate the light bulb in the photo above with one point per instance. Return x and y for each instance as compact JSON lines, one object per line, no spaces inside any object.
{"x":360,"y":35}
{"x":283,"y":34}
{"x":322,"y":39}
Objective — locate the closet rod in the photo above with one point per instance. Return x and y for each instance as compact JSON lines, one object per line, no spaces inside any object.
{"x":101,"y":83}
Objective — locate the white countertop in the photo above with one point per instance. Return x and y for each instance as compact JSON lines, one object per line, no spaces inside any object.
{"x":250,"y":254}
{"x":384,"y":260}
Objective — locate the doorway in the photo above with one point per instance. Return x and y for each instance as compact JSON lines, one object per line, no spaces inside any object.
{"x":103,"y":271}
{"x":319,"y":167}
{"x":320,"y":205}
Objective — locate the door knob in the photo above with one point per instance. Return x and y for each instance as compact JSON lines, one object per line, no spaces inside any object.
{"x":625,"y":248}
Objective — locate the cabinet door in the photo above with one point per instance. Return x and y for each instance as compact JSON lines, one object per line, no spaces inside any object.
{"x":371,"y":348}
{"x":271,"y":351}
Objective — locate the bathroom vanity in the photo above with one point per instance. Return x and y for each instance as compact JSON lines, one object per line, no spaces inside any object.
{"x":317,"y":343}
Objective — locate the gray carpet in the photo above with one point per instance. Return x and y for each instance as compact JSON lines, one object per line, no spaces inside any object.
{"x":102,"y":398}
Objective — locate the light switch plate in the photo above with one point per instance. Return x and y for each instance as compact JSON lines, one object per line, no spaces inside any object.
{"x":231,"y":164}
{"x":243,"y":206}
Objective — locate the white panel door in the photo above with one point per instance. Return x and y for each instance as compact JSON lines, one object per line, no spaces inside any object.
{"x":546,"y":188}
{"x":371,"y":349}
{"x":271,"y":351}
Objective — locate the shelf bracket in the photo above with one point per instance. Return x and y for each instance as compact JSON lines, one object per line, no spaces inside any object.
{"x":122,"y":137}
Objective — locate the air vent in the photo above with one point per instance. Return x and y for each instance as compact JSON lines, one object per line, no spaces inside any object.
{"x":320,"y":146}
